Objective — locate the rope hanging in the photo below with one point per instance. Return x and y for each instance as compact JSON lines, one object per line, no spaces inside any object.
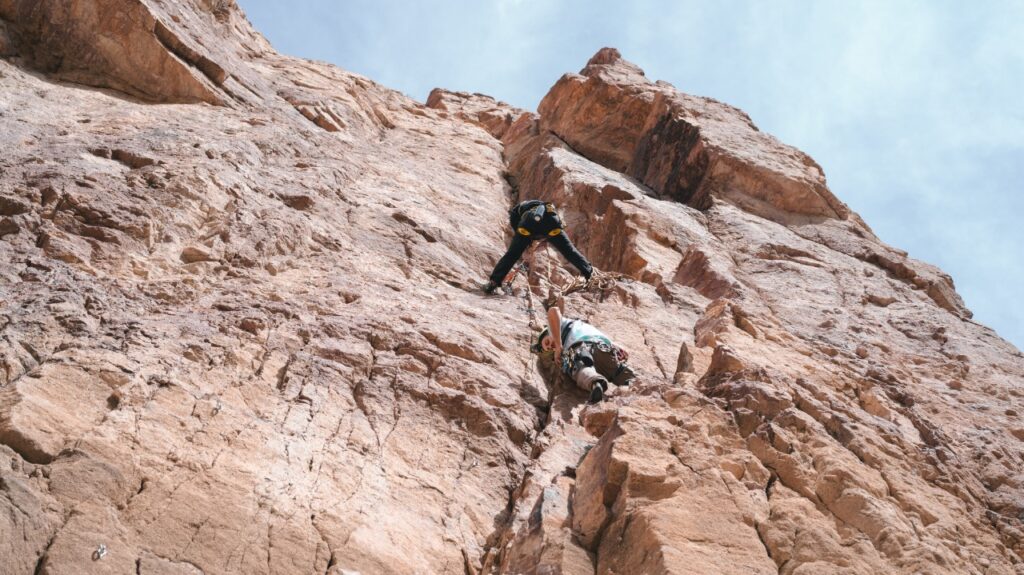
{"x":600,"y":282}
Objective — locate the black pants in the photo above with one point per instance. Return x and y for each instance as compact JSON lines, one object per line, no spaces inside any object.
{"x":521,"y":242}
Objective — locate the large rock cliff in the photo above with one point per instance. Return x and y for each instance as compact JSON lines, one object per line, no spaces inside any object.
{"x":241,"y":329}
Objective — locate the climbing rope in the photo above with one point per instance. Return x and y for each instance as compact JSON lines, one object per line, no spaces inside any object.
{"x":600,"y":282}
{"x":510,"y":277}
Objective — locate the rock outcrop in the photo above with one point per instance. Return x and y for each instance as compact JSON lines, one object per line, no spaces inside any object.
{"x":613,"y":115}
{"x":241,"y":330}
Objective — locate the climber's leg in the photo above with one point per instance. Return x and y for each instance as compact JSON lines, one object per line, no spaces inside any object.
{"x":515,"y":251}
{"x":608,"y":365}
{"x":585,"y":374}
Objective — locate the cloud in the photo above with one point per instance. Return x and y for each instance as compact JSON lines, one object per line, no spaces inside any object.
{"x":913,"y":108}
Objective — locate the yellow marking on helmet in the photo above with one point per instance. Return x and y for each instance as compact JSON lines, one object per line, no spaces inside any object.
{"x":523,"y":231}
{"x":555,"y":232}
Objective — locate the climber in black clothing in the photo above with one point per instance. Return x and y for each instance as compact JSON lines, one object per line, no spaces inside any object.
{"x":533,"y":220}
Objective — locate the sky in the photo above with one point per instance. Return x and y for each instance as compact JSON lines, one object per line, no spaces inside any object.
{"x":913,"y":108}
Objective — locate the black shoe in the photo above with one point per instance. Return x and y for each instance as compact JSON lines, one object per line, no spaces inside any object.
{"x":489,"y":287}
{"x":597,"y":393}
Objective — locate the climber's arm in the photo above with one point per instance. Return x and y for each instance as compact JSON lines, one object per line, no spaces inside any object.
{"x":555,"y":329}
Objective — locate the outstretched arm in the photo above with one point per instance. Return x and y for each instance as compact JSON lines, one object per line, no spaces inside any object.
{"x":555,"y":329}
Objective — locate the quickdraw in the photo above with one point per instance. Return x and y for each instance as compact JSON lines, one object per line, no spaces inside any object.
{"x":506,"y":284}
{"x":573,"y":359}
{"x":621,"y":355}
{"x":569,"y":362}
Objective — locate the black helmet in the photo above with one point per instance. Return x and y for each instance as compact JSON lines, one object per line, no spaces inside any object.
{"x":537,"y":347}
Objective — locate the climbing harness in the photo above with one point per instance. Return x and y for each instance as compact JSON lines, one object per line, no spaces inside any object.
{"x":530,"y":219}
{"x":581,"y":355}
{"x":574,"y":359}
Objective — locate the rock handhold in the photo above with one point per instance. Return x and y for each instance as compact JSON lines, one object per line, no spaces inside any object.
{"x":8,"y":226}
{"x":193,"y":254}
{"x":684,"y":363}
{"x":724,"y":360}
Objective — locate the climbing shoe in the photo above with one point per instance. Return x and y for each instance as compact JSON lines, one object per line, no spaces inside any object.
{"x":597,"y":393}
{"x":489,"y":287}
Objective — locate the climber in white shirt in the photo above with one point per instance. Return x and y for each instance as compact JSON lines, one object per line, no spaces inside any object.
{"x":587,"y":355}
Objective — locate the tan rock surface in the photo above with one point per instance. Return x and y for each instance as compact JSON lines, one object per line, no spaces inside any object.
{"x":240,"y":330}
{"x":612,"y":114}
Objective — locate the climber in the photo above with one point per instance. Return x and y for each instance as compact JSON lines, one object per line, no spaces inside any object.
{"x":586,"y":355}
{"x":531,"y":221}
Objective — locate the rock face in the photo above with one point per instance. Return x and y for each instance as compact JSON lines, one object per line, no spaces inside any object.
{"x":240,"y":329}
{"x":611,"y":114}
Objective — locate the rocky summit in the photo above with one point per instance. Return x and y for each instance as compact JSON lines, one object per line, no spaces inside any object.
{"x":242,"y":329}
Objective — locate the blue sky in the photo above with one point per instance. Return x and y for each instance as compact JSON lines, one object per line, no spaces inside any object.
{"x":913,"y":108}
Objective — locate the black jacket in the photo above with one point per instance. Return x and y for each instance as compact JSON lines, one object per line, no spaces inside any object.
{"x":534,"y":220}
{"x":537,"y":219}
